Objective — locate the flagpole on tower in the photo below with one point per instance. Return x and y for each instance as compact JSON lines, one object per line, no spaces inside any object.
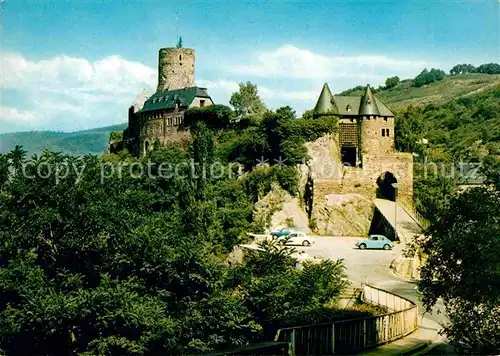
{"x":177,"y":26}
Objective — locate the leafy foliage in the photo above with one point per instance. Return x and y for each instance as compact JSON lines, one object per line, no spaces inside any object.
{"x":427,"y":77}
{"x":463,"y":269}
{"x":246,"y":101}
{"x":132,"y":264}
{"x":463,"y":69}
{"x":116,"y":135}
{"x":489,"y":68}
{"x":391,"y":82}
{"x":213,"y":116}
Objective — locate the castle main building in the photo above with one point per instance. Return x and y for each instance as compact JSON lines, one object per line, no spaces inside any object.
{"x":162,"y":116}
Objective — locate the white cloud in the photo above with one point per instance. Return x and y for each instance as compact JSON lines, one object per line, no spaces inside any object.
{"x":71,"y":93}
{"x":111,"y":74}
{"x":219,"y":85}
{"x":15,"y":115}
{"x":289,"y":61}
{"x":221,"y":90}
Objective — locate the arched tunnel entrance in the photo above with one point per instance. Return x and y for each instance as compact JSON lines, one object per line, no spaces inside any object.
{"x":387,"y":186}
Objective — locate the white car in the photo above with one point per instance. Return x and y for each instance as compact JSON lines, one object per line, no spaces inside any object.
{"x":297,"y":238}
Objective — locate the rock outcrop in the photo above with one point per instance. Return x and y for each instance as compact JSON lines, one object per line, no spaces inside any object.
{"x":279,"y":208}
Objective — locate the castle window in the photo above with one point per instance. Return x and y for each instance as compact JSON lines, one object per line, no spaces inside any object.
{"x":383,"y":132}
{"x":202,"y":103}
{"x":180,"y":63}
{"x":348,"y":108}
{"x":180,"y":57}
{"x":387,"y":132}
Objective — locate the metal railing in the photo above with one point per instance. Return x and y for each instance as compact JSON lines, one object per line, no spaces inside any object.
{"x":351,"y":336}
{"x":410,"y":208}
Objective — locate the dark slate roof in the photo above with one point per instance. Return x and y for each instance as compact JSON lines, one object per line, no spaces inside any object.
{"x":342,"y":103}
{"x":368,"y":104}
{"x":325,"y":103}
{"x":167,"y":99}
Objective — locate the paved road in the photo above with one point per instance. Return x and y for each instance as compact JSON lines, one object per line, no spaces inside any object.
{"x":372,"y":266}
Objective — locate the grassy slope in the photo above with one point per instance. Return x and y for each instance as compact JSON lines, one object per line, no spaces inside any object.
{"x":451,"y":87}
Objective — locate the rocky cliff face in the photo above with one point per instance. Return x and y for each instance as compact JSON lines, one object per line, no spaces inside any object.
{"x":343,"y":215}
{"x":325,"y":162}
{"x":336,"y":207}
{"x":279,"y":208}
{"x":333,"y":200}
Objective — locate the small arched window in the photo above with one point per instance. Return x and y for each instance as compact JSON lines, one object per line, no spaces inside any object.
{"x":348,"y":108}
{"x":180,"y":57}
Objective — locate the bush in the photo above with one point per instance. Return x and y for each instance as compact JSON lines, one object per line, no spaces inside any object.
{"x":116,"y":135}
{"x":489,"y":68}
{"x":427,"y":77}
{"x":391,"y":82}
{"x":214,"y":116}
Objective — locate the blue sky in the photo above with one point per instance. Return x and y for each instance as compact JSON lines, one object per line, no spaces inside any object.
{"x":72,"y":65}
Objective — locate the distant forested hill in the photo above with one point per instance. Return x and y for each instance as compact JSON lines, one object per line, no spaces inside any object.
{"x":93,"y":141}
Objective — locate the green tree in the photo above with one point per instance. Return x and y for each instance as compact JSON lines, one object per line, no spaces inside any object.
{"x":491,"y":170}
{"x":463,"y":69}
{"x":391,"y":82}
{"x":203,"y":157}
{"x":432,"y":193}
{"x":246,"y":100}
{"x":489,"y":68}
{"x":463,"y":269}
{"x":112,"y":291}
{"x":410,"y":128}
{"x":4,"y":169}
{"x":427,"y":77}
{"x":17,"y":157}
{"x":213,"y":116}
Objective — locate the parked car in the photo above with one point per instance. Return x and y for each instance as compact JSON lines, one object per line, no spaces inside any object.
{"x":297,"y":238}
{"x":282,"y":232}
{"x":375,"y":241}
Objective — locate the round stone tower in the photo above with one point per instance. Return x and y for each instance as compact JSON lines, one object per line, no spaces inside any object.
{"x":175,"y":68}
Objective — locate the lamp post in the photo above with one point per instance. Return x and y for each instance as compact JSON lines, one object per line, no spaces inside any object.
{"x":395,"y":186}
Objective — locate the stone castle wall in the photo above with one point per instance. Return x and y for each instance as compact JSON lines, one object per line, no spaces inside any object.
{"x":377,"y":135}
{"x":164,"y":129}
{"x":175,"y":68}
{"x":332,"y":180}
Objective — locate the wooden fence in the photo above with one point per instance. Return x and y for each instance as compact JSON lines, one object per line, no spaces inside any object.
{"x":352,"y":336}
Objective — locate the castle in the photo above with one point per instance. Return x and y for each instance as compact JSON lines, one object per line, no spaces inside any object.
{"x":360,"y":157}
{"x":161,"y":118}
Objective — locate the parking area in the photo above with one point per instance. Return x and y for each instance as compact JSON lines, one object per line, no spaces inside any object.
{"x":360,"y":264}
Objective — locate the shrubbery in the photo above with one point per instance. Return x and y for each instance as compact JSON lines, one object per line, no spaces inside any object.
{"x":134,"y":265}
{"x":427,"y":77}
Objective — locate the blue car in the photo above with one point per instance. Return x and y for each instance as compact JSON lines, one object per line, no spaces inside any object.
{"x":375,"y":241}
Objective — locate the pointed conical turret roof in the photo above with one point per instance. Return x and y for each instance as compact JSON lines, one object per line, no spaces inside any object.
{"x":368,"y":105}
{"x":325,"y":101}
